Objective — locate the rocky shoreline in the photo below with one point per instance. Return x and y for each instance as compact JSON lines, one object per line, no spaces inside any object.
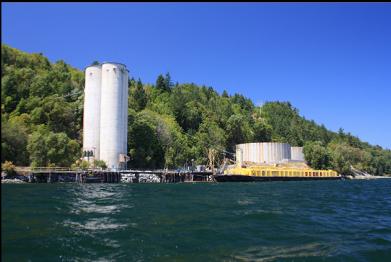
{"x":358,"y":174}
{"x":12,"y":181}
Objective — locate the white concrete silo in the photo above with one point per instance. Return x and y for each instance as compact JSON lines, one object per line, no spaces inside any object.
{"x":125,"y":97}
{"x":91,"y":112}
{"x":113,"y":121}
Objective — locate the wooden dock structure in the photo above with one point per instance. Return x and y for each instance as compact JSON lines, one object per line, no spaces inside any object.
{"x":58,"y":174}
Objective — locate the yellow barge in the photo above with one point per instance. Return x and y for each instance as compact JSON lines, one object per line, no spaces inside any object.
{"x":275,"y":173}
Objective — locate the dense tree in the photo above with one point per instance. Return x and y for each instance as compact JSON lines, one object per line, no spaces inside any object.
{"x":164,"y":83}
{"x":317,"y":155}
{"x":137,"y":97}
{"x":209,"y":136}
{"x":169,"y":125}
{"x":36,"y":93}
{"x":57,"y":114}
{"x":238,"y":131}
{"x":49,"y":148}
{"x":9,"y":168}
{"x":167,"y":82}
{"x":145,"y":149}
{"x":262,"y":131}
{"x":14,"y":135}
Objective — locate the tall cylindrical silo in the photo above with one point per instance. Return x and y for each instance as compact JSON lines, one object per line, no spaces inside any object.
{"x":113,"y":110}
{"x":91,"y":112}
{"x":125,"y":97}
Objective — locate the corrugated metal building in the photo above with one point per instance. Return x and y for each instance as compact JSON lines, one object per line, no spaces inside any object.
{"x":297,"y":153}
{"x":263,"y":153}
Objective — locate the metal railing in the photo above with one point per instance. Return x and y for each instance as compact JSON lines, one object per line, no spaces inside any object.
{"x":43,"y":169}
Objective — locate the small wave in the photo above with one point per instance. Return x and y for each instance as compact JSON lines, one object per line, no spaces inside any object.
{"x":266,"y":253}
{"x":245,"y":202}
{"x":260,"y":212}
{"x":110,"y":209}
{"x":95,"y":224}
{"x":111,"y":243}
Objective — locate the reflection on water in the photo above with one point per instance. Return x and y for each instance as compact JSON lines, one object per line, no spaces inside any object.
{"x":95,"y":224}
{"x":93,"y":200}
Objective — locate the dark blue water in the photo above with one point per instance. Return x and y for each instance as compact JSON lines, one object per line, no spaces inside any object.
{"x":275,"y":221}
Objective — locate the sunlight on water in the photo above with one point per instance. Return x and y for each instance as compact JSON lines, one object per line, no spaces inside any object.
{"x":95,"y":224}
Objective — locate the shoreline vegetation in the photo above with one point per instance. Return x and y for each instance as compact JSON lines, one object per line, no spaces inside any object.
{"x":170,"y":125}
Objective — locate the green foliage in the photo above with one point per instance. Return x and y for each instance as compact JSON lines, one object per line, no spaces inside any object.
{"x":208,"y":136}
{"x":168,"y":125}
{"x":238,"y":130}
{"x":84,"y":165}
{"x":262,"y":131}
{"x":14,"y":135}
{"x":81,"y":164}
{"x":288,"y":126}
{"x":56,"y":113}
{"x":323,"y":148}
{"x":35,"y":93}
{"x":46,"y":147}
{"x":137,"y":97}
{"x":163,"y":83}
{"x":317,"y":155}
{"x":9,"y":168}
{"x":146,"y":151}
{"x":100,"y":164}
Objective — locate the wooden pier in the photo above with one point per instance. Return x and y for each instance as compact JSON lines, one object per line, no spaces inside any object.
{"x":55,"y":175}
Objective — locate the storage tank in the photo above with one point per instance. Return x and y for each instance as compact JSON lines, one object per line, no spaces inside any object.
{"x":113,"y":121}
{"x":297,"y":153}
{"x":264,"y":153}
{"x":91,"y":112}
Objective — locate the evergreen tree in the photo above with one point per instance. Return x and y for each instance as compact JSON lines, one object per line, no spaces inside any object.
{"x":167,"y":82}
{"x":161,"y":83}
{"x":140,"y":96}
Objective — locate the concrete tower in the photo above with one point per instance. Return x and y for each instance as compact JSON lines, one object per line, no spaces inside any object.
{"x":114,"y":115}
{"x":91,"y":114}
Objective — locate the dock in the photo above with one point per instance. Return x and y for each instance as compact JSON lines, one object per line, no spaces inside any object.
{"x":59,"y":174}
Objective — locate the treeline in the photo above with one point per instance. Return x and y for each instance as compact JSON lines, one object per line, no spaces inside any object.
{"x":324,"y":149}
{"x":170,"y":125}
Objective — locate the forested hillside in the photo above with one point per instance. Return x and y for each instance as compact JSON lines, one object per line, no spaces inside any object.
{"x":170,"y":125}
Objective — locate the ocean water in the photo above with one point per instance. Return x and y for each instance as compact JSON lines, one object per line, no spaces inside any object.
{"x":272,"y":221}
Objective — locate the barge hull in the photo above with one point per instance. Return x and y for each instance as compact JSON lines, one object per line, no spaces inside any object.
{"x":242,"y":178}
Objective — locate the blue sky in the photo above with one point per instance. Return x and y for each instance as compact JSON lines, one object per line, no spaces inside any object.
{"x":331,"y":61}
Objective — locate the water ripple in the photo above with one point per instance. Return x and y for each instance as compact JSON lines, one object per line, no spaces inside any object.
{"x":277,"y":221}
